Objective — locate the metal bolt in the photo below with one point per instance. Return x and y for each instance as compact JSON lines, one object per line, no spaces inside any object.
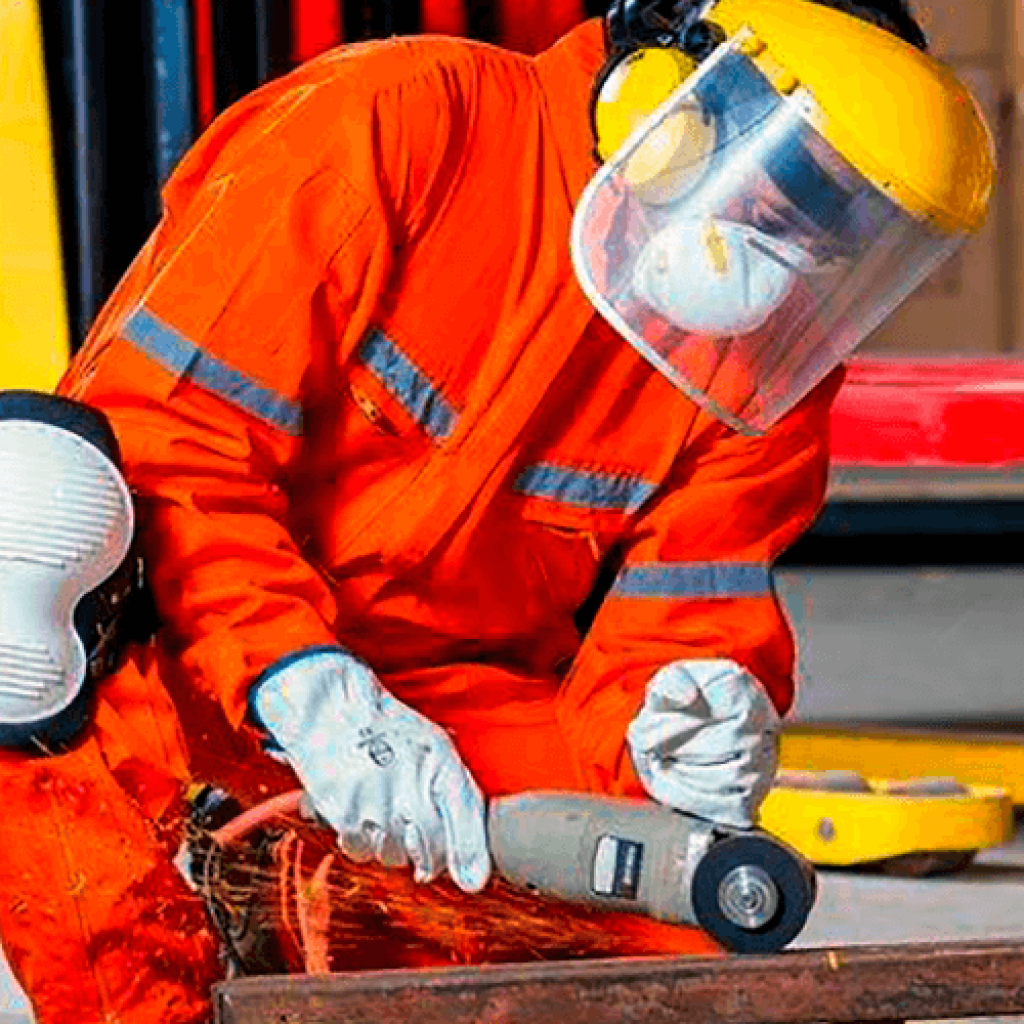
{"x":748,"y":897}
{"x":826,"y":830}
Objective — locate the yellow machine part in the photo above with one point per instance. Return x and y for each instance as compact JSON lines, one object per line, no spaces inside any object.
{"x":842,"y":829}
{"x":975,"y":759}
{"x":34,"y":334}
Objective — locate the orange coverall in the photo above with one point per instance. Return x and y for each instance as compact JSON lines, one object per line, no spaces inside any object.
{"x":362,"y":400}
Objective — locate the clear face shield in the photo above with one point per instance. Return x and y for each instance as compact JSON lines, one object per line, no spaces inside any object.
{"x":737,"y":250}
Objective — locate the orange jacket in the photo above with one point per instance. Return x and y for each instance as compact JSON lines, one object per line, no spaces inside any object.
{"x":363,"y":401}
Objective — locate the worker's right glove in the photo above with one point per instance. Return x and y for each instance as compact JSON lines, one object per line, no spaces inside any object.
{"x":705,"y":740}
{"x":388,"y":781}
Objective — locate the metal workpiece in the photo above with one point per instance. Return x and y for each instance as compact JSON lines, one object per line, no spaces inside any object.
{"x":864,"y":983}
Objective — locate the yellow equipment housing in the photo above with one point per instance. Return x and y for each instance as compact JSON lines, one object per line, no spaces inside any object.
{"x":842,"y":829}
{"x":34,"y":333}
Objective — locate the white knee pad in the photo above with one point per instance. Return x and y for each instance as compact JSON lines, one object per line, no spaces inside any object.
{"x":66,"y":523}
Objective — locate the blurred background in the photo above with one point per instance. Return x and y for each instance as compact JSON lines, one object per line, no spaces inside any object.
{"x":908,"y":594}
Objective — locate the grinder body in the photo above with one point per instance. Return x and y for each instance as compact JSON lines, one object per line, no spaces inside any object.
{"x":751,"y":892}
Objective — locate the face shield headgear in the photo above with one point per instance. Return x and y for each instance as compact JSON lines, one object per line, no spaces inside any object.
{"x":737,"y":247}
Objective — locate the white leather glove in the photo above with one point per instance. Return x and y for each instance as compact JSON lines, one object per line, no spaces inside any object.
{"x":706,"y":741}
{"x":388,"y":781}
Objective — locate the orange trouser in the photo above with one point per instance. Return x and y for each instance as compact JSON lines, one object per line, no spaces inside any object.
{"x":96,"y":921}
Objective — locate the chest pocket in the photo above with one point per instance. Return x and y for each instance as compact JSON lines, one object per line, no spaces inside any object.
{"x":576,"y":517}
{"x":390,"y":416}
{"x":395,"y":394}
{"x":388,"y":419}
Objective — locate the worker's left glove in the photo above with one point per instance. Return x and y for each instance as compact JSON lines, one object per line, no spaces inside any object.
{"x":705,"y":741}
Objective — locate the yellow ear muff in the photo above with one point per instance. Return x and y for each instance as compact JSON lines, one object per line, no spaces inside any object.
{"x":631,"y":88}
{"x":662,"y":166}
{"x":669,"y":160}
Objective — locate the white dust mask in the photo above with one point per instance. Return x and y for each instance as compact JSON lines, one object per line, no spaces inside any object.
{"x":717,"y":278}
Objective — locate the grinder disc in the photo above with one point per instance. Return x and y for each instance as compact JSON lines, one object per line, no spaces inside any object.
{"x":752,"y":894}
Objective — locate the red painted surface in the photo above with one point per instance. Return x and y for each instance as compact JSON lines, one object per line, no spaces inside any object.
{"x":443,"y":17}
{"x":206,"y":104}
{"x":938,"y":412}
{"x":530,"y":26}
{"x":317,"y":25}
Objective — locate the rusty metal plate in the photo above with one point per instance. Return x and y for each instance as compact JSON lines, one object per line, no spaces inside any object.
{"x":865,"y":983}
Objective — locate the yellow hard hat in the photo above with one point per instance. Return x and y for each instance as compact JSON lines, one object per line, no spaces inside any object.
{"x":899,"y":116}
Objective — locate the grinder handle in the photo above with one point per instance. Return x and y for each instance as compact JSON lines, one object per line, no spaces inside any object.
{"x":750,"y":891}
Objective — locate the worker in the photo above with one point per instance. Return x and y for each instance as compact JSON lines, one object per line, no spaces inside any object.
{"x":461,"y":453}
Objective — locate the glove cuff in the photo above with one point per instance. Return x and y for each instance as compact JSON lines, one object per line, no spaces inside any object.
{"x":272,"y":674}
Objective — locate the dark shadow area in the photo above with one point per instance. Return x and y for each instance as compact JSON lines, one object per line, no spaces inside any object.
{"x":98,"y":82}
{"x":901,"y":534}
{"x":987,"y":873}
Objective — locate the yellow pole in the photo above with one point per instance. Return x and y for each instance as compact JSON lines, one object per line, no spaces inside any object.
{"x":34,"y":333}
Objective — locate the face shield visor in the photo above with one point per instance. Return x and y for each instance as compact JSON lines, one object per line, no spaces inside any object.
{"x":742,"y":255}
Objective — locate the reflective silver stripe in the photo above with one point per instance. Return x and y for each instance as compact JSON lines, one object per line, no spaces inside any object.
{"x":693,"y":580}
{"x":409,"y":384}
{"x":176,"y":353}
{"x":586,"y":489}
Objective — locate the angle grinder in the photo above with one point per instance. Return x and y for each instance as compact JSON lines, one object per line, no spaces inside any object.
{"x":749,"y":891}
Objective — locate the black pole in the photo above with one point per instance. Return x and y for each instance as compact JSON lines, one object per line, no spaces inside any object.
{"x":172,"y":102}
{"x":250,"y":45}
{"x":84,"y":74}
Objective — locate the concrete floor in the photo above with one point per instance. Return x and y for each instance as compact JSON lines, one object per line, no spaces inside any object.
{"x":986,"y":901}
